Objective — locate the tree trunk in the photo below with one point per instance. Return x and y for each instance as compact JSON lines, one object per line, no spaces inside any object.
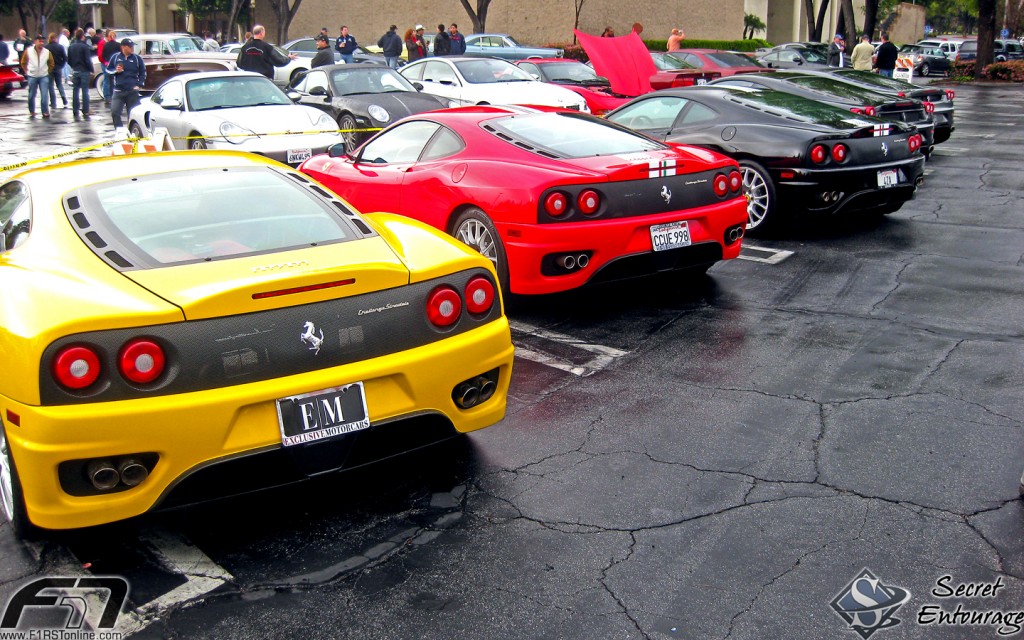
{"x":870,"y":17}
{"x":820,"y":24}
{"x":851,"y":26}
{"x":236,"y":8}
{"x":809,"y":16}
{"x":986,"y":34}
{"x":478,"y":17}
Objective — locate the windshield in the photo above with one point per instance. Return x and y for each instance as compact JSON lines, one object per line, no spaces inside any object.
{"x":190,"y":216}
{"x":489,"y":70}
{"x":837,"y":88}
{"x":726,"y":59}
{"x":570,"y":71}
{"x":224,"y":92}
{"x":866,"y":77}
{"x":811,"y":55}
{"x":666,"y":62}
{"x":183,"y":45}
{"x":573,"y":136}
{"x":374,"y":79}
{"x":796,"y":108}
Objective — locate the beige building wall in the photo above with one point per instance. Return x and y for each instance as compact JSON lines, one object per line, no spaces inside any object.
{"x":908,"y":27}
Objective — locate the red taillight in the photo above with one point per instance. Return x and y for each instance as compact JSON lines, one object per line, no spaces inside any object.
{"x":869,"y":111}
{"x":588,"y":201}
{"x":839,"y":152}
{"x":556,"y":204}
{"x":735,"y":181}
{"x":141,"y":361}
{"x":683,"y":81}
{"x":901,"y":94}
{"x":479,"y":295}
{"x":76,"y":367}
{"x":950,"y":94}
{"x":443,"y":306}
{"x":914,"y":142}
{"x":721,"y":184}
{"x":929,"y":107}
{"x":818,"y":153}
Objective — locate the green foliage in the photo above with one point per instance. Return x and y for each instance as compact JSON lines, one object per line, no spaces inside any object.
{"x":1009,"y":71}
{"x":751,"y":25}
{"x":750,"y":44}
{"x":204,"y":8}
{"x":962,"y":70}
{"x":66,"y":12}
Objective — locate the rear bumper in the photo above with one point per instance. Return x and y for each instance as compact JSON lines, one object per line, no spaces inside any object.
{"x":530,"y":247}
{"x":858,"y":188}
{"x":276,"y":147}
{"x":189,"y":432}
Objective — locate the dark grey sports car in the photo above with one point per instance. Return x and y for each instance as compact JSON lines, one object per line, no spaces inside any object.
{"x":795,"y":154}
{"x":362,"y":98}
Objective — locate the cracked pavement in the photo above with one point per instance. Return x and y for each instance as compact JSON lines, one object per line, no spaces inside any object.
{"x":773,"y":430}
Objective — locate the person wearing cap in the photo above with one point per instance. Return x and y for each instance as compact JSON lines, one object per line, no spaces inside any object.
{"x":346,"y":45}
{"x":37,"y":63}
{"x":129,"y":75}
{"x":415,"y":44}
{"x":836,"y":51}
{"x":324,"y":56}
{"x":260,"y":56}
{"x":391,"y":46}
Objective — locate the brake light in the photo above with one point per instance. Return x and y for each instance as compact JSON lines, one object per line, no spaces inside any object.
{"x":141,"y":361}
{"x":76,"y":367}
{"x":869,"y":111}
{"x":901,"y":94}
{"x":556,"y":204}
{"x":839,"y":152}
{"x":588,"y":201}
{"x":735,"y":181}
{"x":479,"y":295}
{"x":818,"y":154}
{"x":914,"y":142}
{"x":721,"y":185}
{"x":683,"y":81}
{"x":443,"y":306}
{"x":929,"y":107}
{"x":950,"y":94}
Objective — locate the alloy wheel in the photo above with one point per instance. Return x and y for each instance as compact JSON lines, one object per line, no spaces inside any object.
{"x":475,"y":234}
{"x":758,"y":200}
{"x":6,"y":478}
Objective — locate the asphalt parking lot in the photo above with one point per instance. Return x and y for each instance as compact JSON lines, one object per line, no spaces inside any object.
{"x":716,"y":458}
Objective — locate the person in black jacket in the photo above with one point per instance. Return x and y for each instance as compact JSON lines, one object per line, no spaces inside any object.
{"x":60,"y":58}
{"x":324,"y":56}
{"x":391,"y":46}
{"x":885,"y":56}
{"x":260,"y":56}
{"x":442,"y":43}
{"x":80,"y":59}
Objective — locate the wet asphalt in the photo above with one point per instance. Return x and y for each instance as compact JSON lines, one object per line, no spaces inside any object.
{"x":713,"y":458}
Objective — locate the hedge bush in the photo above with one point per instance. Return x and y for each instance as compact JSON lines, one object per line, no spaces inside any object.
{"x":576,"y":52}
{"x":1010,"y":71}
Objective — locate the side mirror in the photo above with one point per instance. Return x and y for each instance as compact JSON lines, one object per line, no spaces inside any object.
{"x":337,"y":150}
{"x":172,"y":104}
{"x":535,"y":76}
{"x":294,"y":96}
{"x":318,"y":91}
{"x":798,"y":60}
{"x":418,"y":86}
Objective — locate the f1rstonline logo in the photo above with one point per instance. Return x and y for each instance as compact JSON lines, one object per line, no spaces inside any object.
{"x":70,"y":595}
{"x":868,"y":606}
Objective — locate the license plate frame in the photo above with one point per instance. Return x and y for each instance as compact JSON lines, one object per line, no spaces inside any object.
{"x":670,"y":235}
{"x":888,"y":178}
{"x":296,"y":156}
{"x":323,"y":414}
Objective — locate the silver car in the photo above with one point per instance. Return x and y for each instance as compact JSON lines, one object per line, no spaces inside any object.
{"x":235,"y":110}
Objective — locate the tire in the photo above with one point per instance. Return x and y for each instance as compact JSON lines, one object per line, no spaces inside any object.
{"x":12,"y":500}
{"x":134,"y":129}
{"x":760,"y":192}
{"x":196,"y":143}
{"x":925,"y":70}
{"x":351,"y":138}
{"x":97,"y":84}
{"x":473,"y":228}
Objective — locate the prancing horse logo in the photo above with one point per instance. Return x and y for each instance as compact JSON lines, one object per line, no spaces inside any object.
{"x":309,"y":337}
{"x":666,"y":194}
{"x":885,"y":150}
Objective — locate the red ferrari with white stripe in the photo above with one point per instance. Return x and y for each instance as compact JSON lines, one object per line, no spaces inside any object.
{"x":556,"y":199}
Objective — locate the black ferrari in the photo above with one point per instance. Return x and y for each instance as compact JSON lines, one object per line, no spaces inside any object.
{"x":942,"y":99}
{"x":361,"y":98}
{"x":845,"y":96}
{"x":795,"y":154}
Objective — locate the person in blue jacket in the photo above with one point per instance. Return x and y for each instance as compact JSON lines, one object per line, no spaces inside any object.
{"x":129,"y":74}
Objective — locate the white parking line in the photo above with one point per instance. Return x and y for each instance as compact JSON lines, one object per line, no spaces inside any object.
{"x":604,"y":355}
{"x":949,"y":151}
{"x":773,"y":256}
{"x":177,"y":555}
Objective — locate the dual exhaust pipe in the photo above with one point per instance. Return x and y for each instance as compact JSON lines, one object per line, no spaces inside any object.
{"x":733,"y":234}
{"x":472,"y":392}
{"x":106,"y":475}
{"x":832,"y":196}
{"x":571,"y":262}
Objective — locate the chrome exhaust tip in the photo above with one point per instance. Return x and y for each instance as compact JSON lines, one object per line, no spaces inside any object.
{"x":102,"y":474}
{"x":582,"y":261}
{"x":487,"y":388}
{"x":132,"y":472}
{"x":919,"y":182}
{"x":467,"y":395}
{"x":567,"y":262}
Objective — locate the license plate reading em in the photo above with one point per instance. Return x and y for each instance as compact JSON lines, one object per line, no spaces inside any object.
{"x":670,"y":235}
{"x":322,"y":414}
{"x":296,"y":156}
{"x":888,"y":178}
